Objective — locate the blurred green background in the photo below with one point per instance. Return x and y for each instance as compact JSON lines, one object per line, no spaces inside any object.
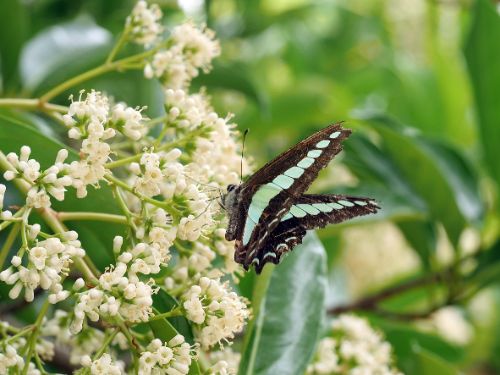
{"x":418,"y":81}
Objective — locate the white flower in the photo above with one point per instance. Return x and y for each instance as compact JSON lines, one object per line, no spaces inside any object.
{"x":105,"y":365}
{"x":225,"y":361}
{"x":170,"y":68}
{"x":198,"y":45}
{"x":355,"y":348}
{"x":217,"y":312}
{"x":144,"y":23}
{"x":450,"y":323}
{"x":9,"y":360}
{"x":129,"y":121}
{"x":191,"y":49}
{"x":47,"y":262}
{"x":173,"y":358}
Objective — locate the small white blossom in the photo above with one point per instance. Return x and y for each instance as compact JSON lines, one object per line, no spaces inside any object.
{"x":192,"y":49}
{"x":354,"y":348}
{"x":451,"y":324}
{"x":48,"y":261}
{"x":217,"y":313}
{"x":129,"y":121}
{"x":173,"y":358}
{"x":105,"y":365}
{"x":144,"y":23}
{"x":198,"y":45}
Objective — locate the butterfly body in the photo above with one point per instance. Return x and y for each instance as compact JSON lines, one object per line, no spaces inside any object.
{"x":269,"y":214}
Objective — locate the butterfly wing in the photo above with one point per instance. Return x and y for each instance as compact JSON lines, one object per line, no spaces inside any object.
{"x":309,"y":211}
{"x":270,"y":192}
{"x":312,"y":211}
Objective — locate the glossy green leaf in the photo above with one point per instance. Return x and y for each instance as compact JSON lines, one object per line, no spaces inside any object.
{"x":60,"y":48}
{"x":482,"y":55}
{"x":13,"y":32}
{"x":167,"y":329}
{"x":232,"y":77}
{"x":439,"y":179}
{"x":289,"y":320}
{"x":163,"y":302}
{"x":96,"y":237}
{"x":404,"y":340}
{"x":429,"y":363}
{"x":422,"y":236}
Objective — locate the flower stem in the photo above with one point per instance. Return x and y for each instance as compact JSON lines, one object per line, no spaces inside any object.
{"x":34,"y":335}
{"x":166,"y":147}
{"x":117,"y":46}
{"x":95,"y":216}
{"x":123,"y":206}
{"x":175,"y":312}
{"x":9,"y":241}
{"x":14,"y":219}
{"x":32,"y":104}
{"x":106,"y":344}
{"x":102,"y":69}
{"x":21,"y":333}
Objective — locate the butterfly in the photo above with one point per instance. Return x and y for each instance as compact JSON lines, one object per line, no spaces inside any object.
{"x":269,"y":213}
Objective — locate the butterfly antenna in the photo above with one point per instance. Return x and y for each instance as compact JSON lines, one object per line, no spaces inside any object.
{"x":242,"y":153}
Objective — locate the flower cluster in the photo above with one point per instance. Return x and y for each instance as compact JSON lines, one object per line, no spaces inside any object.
{"x":226,"y":362}
{"x":171,"y":358}
{"x":11,"y":354}
{"x":10,"y":360}
{"x":216,"y":312}
{"x":144,"y":23}
{"x":164,"y":175}
{"x":103,"y":365}
{"x":353,"y":347}
{"x":53,"y":180}
{"x":93,"y":120}
{"x":190,"y":49}
{"x":48,"y":261}
{"x":115,"y":296}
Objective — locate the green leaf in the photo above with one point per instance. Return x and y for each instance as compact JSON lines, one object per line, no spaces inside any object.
{"x":96,"y":237}
{"x":167,"y":329}
{"x":13,"y":28}
{"x":482,"y":55}
{"x":163,"y":302}
{"x":428,"y":363}
{"x":422,"y":236}
{"x":233,"y":77}
{"x":61,"y":48}
{"x":436,"y":176}
{"x":288,"y":323}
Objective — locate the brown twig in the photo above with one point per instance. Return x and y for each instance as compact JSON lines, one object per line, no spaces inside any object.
{"x":371,"y":302}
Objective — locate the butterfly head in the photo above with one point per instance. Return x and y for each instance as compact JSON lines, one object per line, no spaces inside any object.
{"x":229,"y":199}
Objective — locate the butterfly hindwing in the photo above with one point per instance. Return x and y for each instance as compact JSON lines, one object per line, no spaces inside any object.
{"x":308,"y":212}
{"x":312,"y":211}
{"x":284,"y":238}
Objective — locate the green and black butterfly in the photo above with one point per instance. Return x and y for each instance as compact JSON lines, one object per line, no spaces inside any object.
{"x":269,"y":214}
